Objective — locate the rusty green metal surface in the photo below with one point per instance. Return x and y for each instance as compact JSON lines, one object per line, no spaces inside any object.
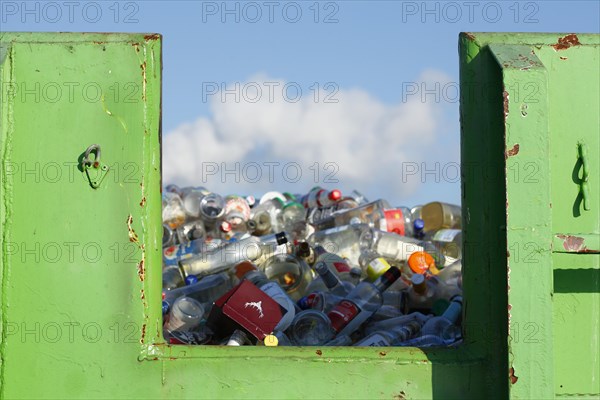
{"x":546,"y":87}
{"x":87,"y":324}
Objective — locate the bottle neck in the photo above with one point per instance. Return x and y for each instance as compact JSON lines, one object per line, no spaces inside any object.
{"x":454,"y":310}
{"x":387,"y":279}
{"x":329,"y":278}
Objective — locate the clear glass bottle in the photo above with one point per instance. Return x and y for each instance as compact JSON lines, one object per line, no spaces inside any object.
{"x":293,"y":220}
{"x":173,"y":213}
{"x":319,"y":197}
{"x":207,"y":289}
{"x":361,"y":303}
{"x":169,"y":237}
{"x":260,"y":223}
{"x":390,"y":245}
{"x":238,"y":338}
{"x":438,"y":215}
{"x":372,"y":264}
{"x":377,"y":214}
{"x":333,"y":283}
{"x":290,"y":272}
{"x":225,"y":257}
{"x":311,"y":328}
{"x":445,"y":326}
{"x":185,"y":314}
{"x":344,"y":241}
{"x":391,"y":337}
{"x":449,"y":244}
{"x":237,"y":212}
{"x":191,"y":230}
{"x":272,"y":207}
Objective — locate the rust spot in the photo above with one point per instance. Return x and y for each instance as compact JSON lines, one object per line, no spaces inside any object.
{"x":133,"y":237}
{"x":319,"y":352}
{"x":142,"y":294}
{"x":511,"y":375}
{"x":141,"y":270}
{"x":143,"y":334}
{"x":154,"y":36}
{"x":143,"y":202}
{"x":505,"y":102}
{"x":563,"y":58}
{"x":98,"y":42}
{"x":574,"y":243}
{"x":382,"y":353}
{"x":470,"y":35}
{"x":155,"y":359}
{"x":507,"y":254}
{"x":566,"y":42}
{"x":509,"y":307}
{"x":512,"y":152}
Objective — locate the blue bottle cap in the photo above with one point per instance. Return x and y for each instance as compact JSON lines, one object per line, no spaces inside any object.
{"x":419,"y":224}
{"x":303,"y":303}
{"x":191,"y":279}
{"x":165,"y":308}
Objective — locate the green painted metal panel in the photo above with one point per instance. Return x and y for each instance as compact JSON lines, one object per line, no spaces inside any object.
{"x":85,"y":322}
{"x":73,"y":256}
{"x":549,"y":105}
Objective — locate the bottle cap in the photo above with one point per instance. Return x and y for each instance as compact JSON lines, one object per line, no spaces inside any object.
{"x":419,"y":224}
{"x":251,"y":200}
{"x":391,"y":275}
{"x":303,"y":250}
{"x":418,"y":282}
{"x":420,"y":261}
{"x":165,"y":308}
{"x":394,"y":220}
{"x":191,"y":279}
{"x":225,"y":226}
{"x":334,"y":195}
{"x":243,"y":268}
{"x":271,"y":340}
{"x":281,"y":238}
{"x":306,"y":302}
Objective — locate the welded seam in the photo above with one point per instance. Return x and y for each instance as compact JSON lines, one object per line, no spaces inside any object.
{"x":6,"y":130}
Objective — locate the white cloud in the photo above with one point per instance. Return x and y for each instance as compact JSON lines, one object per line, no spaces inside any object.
{"x":365,"y":139}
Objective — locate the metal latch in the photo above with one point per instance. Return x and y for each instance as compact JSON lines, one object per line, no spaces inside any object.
{"x":95,"y":170}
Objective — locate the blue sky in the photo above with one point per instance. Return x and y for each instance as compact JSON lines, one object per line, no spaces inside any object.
{"x":367,"y":56}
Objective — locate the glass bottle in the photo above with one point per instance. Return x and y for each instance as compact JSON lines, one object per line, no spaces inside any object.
{"x":290,"y":272}
{"x":319,"y":197}
{"x":224,"y":257}
{"x":438,"y":215}
{"x":361,"y":303}
{"x":391,"y":337}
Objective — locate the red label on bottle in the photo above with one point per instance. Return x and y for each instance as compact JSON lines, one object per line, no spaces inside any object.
{"x":395,"y":221}
{"x":341,"y":267}
{"x":342,"y":314}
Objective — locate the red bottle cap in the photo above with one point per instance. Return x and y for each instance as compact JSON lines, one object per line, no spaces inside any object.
{"x":334,"y":195}
{"x":225,"y":226}
{"x":395,"y":221}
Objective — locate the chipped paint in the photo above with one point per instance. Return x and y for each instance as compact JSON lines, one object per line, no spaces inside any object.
{"x":133,"y":237}
{"x":573,"y":243}
{"x":319,"y":352}
{"x":505,"y":103}
{"x":154,"y":36}
{"x":141,"y":270}
{"x":512,"y":152}
{"x":566,"y":42}
{"x":511,"y":374}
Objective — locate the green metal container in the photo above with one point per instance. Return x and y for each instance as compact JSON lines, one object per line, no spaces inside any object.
{"x":81,"y":242}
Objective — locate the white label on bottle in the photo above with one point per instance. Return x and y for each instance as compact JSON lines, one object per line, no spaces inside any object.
{"x":374,"y":340}
{"x":446,"y":235}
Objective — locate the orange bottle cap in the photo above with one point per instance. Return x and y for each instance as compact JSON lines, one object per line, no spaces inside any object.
{"x":420,"y":261}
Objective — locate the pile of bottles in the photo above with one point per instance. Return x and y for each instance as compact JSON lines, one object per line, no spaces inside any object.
{"x":320,"y":269}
